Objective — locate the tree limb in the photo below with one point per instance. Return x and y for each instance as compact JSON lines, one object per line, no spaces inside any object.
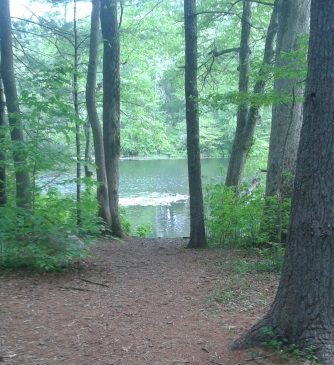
{"x":216,"y":53}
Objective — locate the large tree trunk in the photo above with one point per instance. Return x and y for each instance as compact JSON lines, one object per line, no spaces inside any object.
{"x":23,"y":193}
{"x":302,"y":311}
{"x":101,"y":174}
{"x":3,"y":175}
{"x":197,"y":226}
{"x":111,"y":107}
{"x":293,"y":20}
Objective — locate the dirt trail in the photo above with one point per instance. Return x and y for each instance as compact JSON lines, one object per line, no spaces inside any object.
{"x":141,"y":302}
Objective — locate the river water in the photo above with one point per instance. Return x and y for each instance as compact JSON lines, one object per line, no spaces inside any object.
{"x":152,"y":191}
{"x":156,"y":191}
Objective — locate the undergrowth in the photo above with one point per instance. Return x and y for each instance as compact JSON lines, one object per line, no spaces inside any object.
{"x":287,"y":350}
{"x":243,"y":220}
{"x":246,"y":221}
{"x":47,"y":237}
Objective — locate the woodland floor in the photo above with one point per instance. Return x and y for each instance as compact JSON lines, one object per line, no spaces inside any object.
{"x":146,"y":301}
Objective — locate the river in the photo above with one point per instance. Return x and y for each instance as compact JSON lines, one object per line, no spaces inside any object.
{"x":156,"y":191}
{"x":152,"y":191}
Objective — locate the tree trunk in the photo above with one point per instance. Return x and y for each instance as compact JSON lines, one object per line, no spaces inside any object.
{"x":248,"y":116}
{"x":76,"y":110}
{"x":302,"y":311}
{"x":23,"y":193}
{"x":3,"y":175}
{"x":88,"y":152}
{"x":241,"y":144}
{"x":197,"y":226}
{"x":293,"y":20}
{"x":101,"y":174}
{"x":111,"y":107}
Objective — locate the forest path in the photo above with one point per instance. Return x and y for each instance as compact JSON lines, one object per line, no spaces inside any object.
{"x":146,"y":301}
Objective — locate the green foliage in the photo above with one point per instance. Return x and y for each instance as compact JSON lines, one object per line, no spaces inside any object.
{"x":275,"y":218}
{"x":221,"y":296}
{"x":231,"y":220}
{"x":126,"y":224}
{"x":144,"y":230}
{"x":46,"y":237}
{"x":244,"y":220}
{"x":287,"y":350}
{"x":270,"y":259}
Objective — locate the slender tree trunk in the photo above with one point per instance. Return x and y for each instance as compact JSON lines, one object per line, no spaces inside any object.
{"x":248,"y":116}
{"x":76,"y":109}
{"x":302,"y":311}
{"x":197,"y":226}
{"x":293,"y":20}
{"x":23,"y":193}
{"x":241,"y":144}
{"x":111,"y":107}
{"x":101,"y":174}
{"x":3,"y":175}
{"x":88,"y":155}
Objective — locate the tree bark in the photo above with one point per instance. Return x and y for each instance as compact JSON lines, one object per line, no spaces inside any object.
{"x":76,"y":110}
{"x":302,"y":311}
{"x":101,"y":174}
{"x":241,"y":144}
{"x":197,"y":226}
{"x":293,"y":20}
{"x":248,"y":116}
{"x":111,"y":107}
{"x":23,"y":193}
{"x":88,"y":152}
{"x":3,"y":175}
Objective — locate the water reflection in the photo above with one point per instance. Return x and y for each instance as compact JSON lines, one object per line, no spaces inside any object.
{"x":155,"y":198}
{"x":156,"y":191}
{"x":153,"y":191}
{"x":173,"y":220}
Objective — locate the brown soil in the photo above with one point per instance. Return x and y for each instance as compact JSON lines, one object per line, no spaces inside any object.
{"x":140,"y":302}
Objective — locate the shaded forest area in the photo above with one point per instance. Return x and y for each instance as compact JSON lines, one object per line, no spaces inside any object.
{"x":171,"y":78}
{"x":90,"y":82}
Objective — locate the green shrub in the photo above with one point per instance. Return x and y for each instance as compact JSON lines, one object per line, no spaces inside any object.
{"x":47,"y":236}
{"x":144,"y":230}
{"x":232,"y":220}
{"x":241,"y":220}
{"x":126,"y":224}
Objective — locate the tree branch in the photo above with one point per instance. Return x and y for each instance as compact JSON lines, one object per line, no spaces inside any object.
{"x":216,"y":53}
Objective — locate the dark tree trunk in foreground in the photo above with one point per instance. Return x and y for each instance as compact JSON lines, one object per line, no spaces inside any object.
{"x":23,"y":193}
{"x":303,"y":308}
{"x":101,"y":175}
{"x":3,"y":175}
{"x":293,"y":20}
{"x":197,"y":226}
{"x":248,"y":116}
{"x":111,"y":107}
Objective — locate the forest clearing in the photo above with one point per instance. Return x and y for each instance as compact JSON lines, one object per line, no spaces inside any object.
{"x":144,"y":301}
